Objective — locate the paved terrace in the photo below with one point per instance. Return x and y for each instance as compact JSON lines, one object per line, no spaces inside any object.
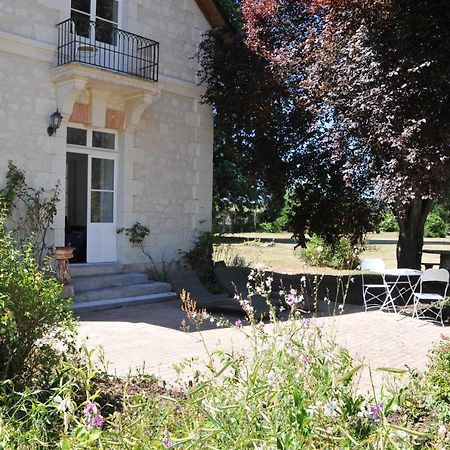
{"x":150,"y":335}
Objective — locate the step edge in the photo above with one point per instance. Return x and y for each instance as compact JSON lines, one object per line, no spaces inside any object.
{"x":103,"y":291}
{"x":124,"y":301}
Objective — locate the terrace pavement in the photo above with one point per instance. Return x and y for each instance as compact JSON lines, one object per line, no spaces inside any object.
{"x":150,"y":336}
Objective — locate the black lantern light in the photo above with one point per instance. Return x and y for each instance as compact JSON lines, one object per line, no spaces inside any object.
{"x":55,"y":122}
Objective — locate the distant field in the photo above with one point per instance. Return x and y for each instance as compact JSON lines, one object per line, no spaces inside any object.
{"x":276,"y":251}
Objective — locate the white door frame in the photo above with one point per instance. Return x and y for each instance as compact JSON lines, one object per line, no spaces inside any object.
{"x":101,"y":237}
{"x":91,"y":242}
{"x":92,"y":40}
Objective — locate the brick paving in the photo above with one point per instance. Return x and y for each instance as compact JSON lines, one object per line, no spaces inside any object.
{"x":150,"y":336}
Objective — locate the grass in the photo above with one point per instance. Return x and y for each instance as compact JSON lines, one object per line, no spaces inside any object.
{"x":280,"y":256}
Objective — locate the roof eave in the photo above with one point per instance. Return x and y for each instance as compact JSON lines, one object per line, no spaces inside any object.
{"x":214,"y":13}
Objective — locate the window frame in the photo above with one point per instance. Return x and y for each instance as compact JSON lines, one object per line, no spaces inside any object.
{"x":89,"y":138}
{"x":92,"y":16}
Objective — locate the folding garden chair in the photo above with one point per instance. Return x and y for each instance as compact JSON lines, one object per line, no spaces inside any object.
{"x":374,"y":295}
{"x":430,"y":304}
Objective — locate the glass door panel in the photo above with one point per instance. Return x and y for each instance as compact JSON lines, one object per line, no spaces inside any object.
{"x":102,"y":215}
{"x":107,"y":20}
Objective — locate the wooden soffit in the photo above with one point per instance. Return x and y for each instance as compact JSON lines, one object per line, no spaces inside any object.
{"x":213,"y":12}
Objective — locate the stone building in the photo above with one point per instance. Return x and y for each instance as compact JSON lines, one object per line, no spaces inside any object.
{"x":135,"y":142}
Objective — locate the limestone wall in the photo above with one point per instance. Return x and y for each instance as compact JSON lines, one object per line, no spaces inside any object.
{"x":165,"y":164}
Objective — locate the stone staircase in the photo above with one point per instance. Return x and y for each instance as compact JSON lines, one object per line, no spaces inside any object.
{"x":111,"y":285}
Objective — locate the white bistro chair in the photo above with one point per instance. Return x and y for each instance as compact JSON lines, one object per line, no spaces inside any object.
{"x":374,"y":295}
{"x":429,"y":305}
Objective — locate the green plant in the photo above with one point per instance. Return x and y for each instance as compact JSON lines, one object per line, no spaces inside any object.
{"x":281,"y":223}
{"x":435,"y":226}
{"x":63,"y":413}
{"x":389,"y":222}
{"x":223,"y":251}
{"x":31,"y":210}
{"x":200,"y":256}
{"x":136,"y":235}
{"x":270,"y":227}
{"x":438,"y":377}
{"x":341,"y":255}
{"x":35,"y":322}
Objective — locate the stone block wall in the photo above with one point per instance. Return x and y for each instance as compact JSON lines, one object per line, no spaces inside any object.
{"x":165,"y":164}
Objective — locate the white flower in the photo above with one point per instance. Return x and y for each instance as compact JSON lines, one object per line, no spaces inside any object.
{"x":63,"y":405}
{"x":311,"y":410}
{"x":331,"y":409}
{"x":328,"y":356}
{"x":442,"y":431}
{"x":271,"y":379}
{"x":282,"y":343}
{"x":319,"y":248}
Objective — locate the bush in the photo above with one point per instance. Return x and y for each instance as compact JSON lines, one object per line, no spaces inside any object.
{"x":200,"y":256}
{"x":342,"y":255}
{"x":435,"y":226}
{"x":33,"y":316}
{"x":389,"y":223}
{"x":270,"y":227}
{"x":438,"y":377}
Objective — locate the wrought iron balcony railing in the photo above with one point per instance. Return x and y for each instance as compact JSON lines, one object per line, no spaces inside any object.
{"x":103,"y":45}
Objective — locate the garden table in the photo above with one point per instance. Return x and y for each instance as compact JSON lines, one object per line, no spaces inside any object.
{"x":400,"y":281}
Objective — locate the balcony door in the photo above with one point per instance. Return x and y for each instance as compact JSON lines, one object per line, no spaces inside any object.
{"x":96,"y":23}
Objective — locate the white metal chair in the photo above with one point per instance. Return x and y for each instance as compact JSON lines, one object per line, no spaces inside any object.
{"x":429,"y":305}
{"x":374,"y":295}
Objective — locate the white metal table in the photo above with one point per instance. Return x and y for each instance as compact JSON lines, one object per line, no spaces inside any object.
{"x":401,"y":282}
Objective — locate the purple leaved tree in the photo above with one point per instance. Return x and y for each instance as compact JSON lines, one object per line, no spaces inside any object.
{"x":376,"y":75}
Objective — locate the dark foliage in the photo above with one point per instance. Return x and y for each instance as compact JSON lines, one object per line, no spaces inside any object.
{"x":379,"y":71}
{"x":255,"y":124}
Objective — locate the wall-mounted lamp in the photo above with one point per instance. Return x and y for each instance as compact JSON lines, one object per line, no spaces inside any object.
{"x":55,"y":123}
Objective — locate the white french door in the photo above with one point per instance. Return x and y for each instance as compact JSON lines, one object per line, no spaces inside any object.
{"x":96,"y":22}
{"x":101,"y":208}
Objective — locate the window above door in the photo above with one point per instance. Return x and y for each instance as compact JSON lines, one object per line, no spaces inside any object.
{"x":104,"y":140}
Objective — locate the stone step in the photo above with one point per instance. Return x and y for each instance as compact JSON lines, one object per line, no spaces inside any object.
{"x":120,"y":302}
{"x":96,"y":282}
{"x":150,"y":287}
{"x":89,"y":269}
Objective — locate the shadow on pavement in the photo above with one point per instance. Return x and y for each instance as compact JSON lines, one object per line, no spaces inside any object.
{"x":169,"y":314}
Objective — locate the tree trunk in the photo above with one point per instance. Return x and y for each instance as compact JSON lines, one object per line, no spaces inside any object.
{"x":410,"y":239}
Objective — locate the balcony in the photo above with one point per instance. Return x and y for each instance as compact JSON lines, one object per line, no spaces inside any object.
{"x":107,"y":47}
